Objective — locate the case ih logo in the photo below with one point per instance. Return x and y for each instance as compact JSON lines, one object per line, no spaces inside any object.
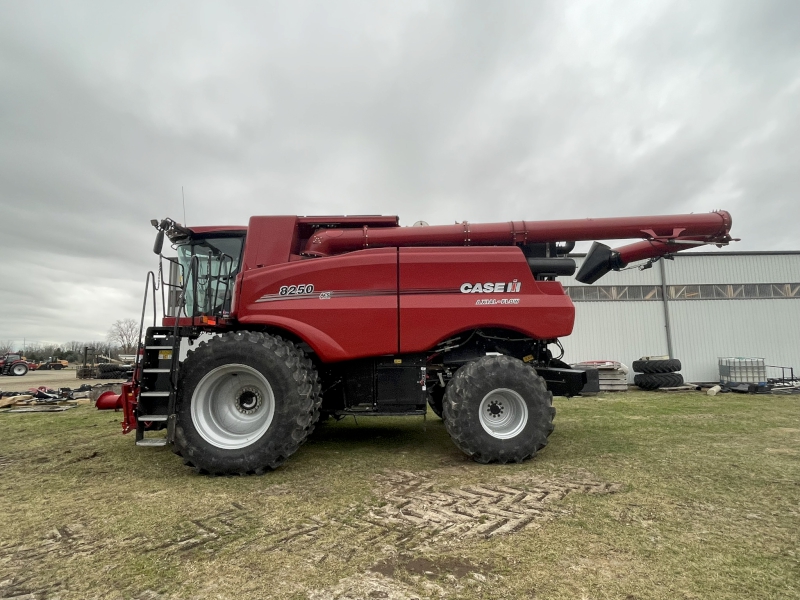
{"x":488,"y":288}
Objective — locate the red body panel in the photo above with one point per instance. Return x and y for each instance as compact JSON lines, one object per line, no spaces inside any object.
{"x":273,"y":240}
{"x":269,"y":241}
{"x":351,"y":313}
{"x":434,"y":305}
{"x":354,"y":308}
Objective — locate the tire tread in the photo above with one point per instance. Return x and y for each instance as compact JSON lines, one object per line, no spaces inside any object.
{"x":671,"y":365}
{"x":462,"y":422}
{"x":271,"y":454}
{"x":654,"y":381}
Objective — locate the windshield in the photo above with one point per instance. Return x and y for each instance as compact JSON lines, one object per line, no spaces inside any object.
{"x":210,"y":282}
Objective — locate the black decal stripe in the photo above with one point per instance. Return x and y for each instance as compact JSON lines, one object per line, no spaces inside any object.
{"x":333,"y":294}
{"x":363,"y":293}
{"x":421,"y":291}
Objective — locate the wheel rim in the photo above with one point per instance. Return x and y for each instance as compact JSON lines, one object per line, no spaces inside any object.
{"x":19,"y":369}
{"x":232,"y":406}
{"x":503,"y":413}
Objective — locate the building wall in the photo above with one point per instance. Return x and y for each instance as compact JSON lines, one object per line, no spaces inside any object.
{"x":702,"y":330}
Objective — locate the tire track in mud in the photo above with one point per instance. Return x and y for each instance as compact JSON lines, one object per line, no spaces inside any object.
{"x":20,"y":561}
{"x":415,"y":514}
{"x":209,"y":532}
{"x":62,"y":542}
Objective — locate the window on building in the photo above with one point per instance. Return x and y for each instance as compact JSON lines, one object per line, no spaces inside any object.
{"x":643,"y":293}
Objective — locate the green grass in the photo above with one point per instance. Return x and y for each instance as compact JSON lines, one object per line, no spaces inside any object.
{"x":708,"y":507}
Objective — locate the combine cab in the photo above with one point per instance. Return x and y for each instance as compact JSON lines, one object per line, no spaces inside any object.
{"x":294,"y":319}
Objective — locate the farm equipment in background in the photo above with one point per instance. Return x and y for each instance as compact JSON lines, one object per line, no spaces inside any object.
{"x":16,"y":364}
{"x":270,"y":327}
{"x":53,"y":364}
{"x":97,"y":366}
{"x":112,"y":368}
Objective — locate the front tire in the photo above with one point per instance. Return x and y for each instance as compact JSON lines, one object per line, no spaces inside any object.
{"x":497,"y":409}
{"x":246,"y":402}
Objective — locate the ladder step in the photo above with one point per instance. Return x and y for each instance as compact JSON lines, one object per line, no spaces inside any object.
{"x":154,"y":394}
{"x":155,"y":370}
{"x":145,"y":418}
{"x":158,"y":348}
{"x":152,"y":442}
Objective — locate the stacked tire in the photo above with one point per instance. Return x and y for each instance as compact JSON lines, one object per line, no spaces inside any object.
{"x":112,"y":371}
{"x":655,"y":374}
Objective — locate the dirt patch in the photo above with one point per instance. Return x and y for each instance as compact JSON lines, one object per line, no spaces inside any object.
{"x":90,"y":456}
{"x":62,"y":543}
{"x":367,"y":586}
{"x":207,"y":533}
{"x":439,"y":568}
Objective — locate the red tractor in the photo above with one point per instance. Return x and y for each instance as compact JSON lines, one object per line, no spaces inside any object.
{"x":15,"y":364}
{"x":293,"y":319}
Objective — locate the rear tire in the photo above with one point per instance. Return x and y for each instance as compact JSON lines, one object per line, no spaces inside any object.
{"x":654,"y":381}
{"x":19,"y":369}
{"x":497,"y":409}
{"x":246,"y":402}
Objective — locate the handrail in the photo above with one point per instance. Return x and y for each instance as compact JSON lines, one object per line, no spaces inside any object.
{"x":222,"y":260}
{"x":151,"y":276}
{"x":176,"y":345}
{"x":211,"y":297}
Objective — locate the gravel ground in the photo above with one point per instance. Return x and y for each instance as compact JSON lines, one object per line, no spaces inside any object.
{"x":51,"y":379}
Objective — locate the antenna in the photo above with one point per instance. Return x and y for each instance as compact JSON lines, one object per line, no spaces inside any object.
{"x":183,"y":198}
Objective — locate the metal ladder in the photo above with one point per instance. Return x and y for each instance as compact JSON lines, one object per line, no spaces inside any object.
{"x":156,"y":408}
{"x":157,"y":364}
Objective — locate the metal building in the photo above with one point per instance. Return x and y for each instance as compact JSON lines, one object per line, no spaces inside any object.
{"x":698,"y":307}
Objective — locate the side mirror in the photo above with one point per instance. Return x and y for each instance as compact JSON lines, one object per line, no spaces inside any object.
{"x":159,"y":242}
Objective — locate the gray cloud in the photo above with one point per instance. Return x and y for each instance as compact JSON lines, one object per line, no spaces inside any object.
{"x":437,"y":111}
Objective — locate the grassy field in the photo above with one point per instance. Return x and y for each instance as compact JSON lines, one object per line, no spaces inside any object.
{"x":637,"y":496}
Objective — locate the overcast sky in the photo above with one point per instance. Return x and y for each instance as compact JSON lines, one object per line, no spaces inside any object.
{"x":436,"y":111}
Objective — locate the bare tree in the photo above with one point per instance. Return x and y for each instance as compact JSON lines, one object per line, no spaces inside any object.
{"x":125,"y":334}
{"x":6,"y":347}
{"x":32,"y":351}
{"x":73,"y":351}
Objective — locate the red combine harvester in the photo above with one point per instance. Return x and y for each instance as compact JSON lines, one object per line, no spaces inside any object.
{"x":293,"y":319}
